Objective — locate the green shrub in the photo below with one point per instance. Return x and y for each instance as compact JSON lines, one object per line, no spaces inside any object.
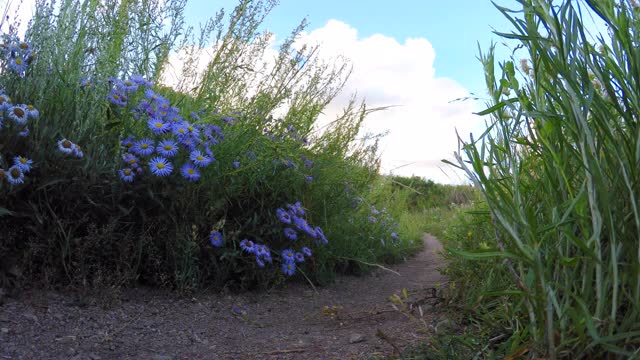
{"x":75,"y":221}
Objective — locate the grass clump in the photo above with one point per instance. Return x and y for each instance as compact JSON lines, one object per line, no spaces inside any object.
{"x":557,"y":169}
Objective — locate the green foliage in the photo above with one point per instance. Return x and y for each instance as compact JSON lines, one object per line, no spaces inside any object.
{"x":75,"y":222}
{"x":558,"y":170}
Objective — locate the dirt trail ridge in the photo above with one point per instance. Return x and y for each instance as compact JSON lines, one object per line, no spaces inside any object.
{"x":350,"y":319}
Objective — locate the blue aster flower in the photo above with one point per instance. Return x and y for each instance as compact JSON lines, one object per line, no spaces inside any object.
{"x":306,"y":251}
{"x":216,"y":239}
{"x":22,"y":133}
{"x":180,"y":129}
{"x":128,"y":142}
{"x":310,"y":230}
{"x":308,"y":178}
{"x":174,"y":120}
{"x":262,"y":250}
{"x":160,"y":166}
{"x":152,"y":95}
{"x":283,"y":216}
{"x":248,"y":246}
{"x":128,"y":86}
{"x":126,"y":174}
{"x":86,"y":82}
{"x":288,"y":255}
{"x":290,"y":234}
{"x":190,"y":172}
{"x":140,"y":80}
{"x":236,"y":164}
{"x":191,"y":129}
{"x":143,"y":147}
{"x":117,"y":98}
{"x":200,"y":159}
{"x":394,"y":236}
{"x":289,"y":268}
{"x":131,"y":160}
{"x":32,"y":112}
{"x":158,"y":126}
{"x":259,"y":262}
{"x":77,"y":152}
{"x":66,"y":146}
{"x":189,"y":143}
{"x":23,"y":163}
{"x":17,"y":64}
{"x":5,"y":102}
{"x":299,"y":257}
{"x":372,"y":219}
{"x":297,"y":208}
{"x":15,"y":175}
{"x":300,"y":223}
{"x":167,"y":148}
{"x":18,"y":113}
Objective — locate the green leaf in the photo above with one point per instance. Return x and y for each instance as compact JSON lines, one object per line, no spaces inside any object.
{"x":497,"y":106}
{"x":481,"y":255}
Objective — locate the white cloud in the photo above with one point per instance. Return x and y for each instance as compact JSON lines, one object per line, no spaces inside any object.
{"x":423,"y":121}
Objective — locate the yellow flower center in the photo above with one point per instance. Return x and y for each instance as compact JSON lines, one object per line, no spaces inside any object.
{"x":190,"y":128}
{"x":128,"y":83}
{"x":199,"y":158}
{"x":30,"y":107}
{"x":181,"y":131}
{"x":132,"y":161}
{"x":160,"y":166}
{"x":144,"y":146}
{"x":191,"y":172}
{"x":66,"y":144}
{"x":18,"y":61}
{"x":15,"y":173}
{"x":127,"y":172}
{"x":23,"y":160}
{"x":24,"y":45}
{"x":159,"y":125}
{"x":168,"y":147}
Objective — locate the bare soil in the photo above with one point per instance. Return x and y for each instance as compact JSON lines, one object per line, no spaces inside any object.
{"x":350,"y":319}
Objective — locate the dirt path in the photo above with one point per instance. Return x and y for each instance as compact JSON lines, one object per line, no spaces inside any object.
{"x":283,"y":324}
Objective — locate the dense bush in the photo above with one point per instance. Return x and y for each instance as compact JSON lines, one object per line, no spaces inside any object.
{"x":198,"y":184}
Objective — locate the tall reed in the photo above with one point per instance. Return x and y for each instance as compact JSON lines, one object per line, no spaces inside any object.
{"x":559,"y":169}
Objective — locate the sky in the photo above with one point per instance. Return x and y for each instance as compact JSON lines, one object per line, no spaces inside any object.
{"x":417,"y":56}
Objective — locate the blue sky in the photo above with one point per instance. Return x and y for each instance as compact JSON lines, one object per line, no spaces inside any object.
{"x":454,"y":28}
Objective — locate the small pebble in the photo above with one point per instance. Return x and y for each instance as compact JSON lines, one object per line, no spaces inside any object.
{"x":356,"y":338}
